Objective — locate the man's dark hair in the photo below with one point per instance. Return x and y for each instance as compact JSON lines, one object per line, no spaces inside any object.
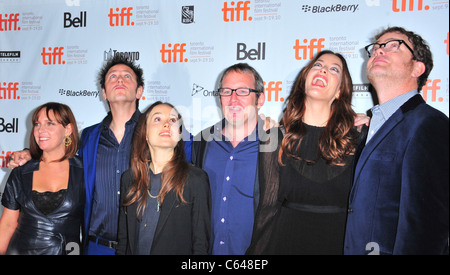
{"x":421,"y":49}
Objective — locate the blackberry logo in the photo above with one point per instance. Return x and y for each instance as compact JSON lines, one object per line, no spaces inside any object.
{"x":332,"y":8}
{"x":306,"y":8}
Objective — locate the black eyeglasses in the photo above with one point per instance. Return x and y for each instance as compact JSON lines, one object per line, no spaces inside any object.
{"x":390,"y":47}
{"x":239,"y":91}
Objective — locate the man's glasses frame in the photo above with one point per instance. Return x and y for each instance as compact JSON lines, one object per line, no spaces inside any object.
{"x":238,"y":91}
{"x":389,"y":46}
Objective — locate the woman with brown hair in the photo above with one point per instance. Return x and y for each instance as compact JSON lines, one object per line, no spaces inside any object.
{"x":305,"y":183}
{"x":44,"y":199}
{"x":165,"y":201}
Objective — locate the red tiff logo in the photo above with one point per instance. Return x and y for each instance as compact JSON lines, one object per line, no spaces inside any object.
{"x":432,"y":86}
{"x":122,"y":18}
{"x":175,"y":54}
{"x":410,"y":5}
{"x":8,"y":90}
{"x":236,"y":11}
{"x":53,"y":56}
{"x":8,"y":22}
{"x":315,"y":45}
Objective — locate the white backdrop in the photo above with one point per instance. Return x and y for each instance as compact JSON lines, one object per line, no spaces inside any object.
{"x":51,"y":50}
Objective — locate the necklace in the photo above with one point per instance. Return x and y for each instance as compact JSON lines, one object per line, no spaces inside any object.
{"x":158,"y":202}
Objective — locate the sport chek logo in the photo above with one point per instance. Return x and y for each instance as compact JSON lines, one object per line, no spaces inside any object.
{"x":408,"y":5}
{"x":9,"y":22}
{"x":53,"y":56}
{"x":120,"y":17}
{"x":331,"y":8}
{"x":236,"y":11}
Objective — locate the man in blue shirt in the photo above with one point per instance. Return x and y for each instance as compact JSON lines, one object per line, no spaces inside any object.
{"x":228,"y":152}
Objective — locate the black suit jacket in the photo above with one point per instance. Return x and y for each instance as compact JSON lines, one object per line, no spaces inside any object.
{"x":182,"y":229}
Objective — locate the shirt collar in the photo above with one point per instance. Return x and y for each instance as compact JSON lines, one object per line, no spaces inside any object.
{"x":134,"y":118}
{"x":254,"y":136}
{"x":388,"y":108}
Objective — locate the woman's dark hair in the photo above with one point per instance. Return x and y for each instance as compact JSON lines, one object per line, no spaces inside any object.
{"x":173,"y":176}
{"x":63,"y":115}
{"x":338,"y":139}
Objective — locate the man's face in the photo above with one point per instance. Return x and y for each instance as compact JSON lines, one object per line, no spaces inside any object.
{"x":121,"y":85}
{"x":240,"y":110}
{"x":394,"y":65}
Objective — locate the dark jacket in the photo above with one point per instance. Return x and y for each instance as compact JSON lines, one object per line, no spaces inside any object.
{"x":182,"y":229}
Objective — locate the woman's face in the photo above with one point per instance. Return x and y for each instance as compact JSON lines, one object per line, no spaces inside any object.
{"x":324,"y":79}
{"x":48,"y":133}
{"x":163,"y":127}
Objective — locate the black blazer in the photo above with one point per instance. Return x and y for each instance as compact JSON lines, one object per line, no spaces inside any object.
{"x":182,"y":229}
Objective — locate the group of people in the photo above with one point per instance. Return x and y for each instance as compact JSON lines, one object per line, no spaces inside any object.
{"x":320,"y":182}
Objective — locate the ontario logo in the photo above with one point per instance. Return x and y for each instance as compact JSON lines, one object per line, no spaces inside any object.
{"x":331,"y":8}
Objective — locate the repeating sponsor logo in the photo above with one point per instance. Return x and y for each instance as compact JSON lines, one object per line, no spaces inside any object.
{"x":157,"y":91}
{"x":4,"y":157}
{"x":252,"y":54}
{"x":133,"y":56}
{"x":146,"y":16}
{"x":313,"y":47}
{"x":120,"y":16}
{"x":446,"y":42}
{"x":236,"y":11}
{"x":9,"y":22}
{"x":201,"y":52}
{"x":187,"y":14}
{"x":53,"y":56}
{"x":267,"y":10}
{"x":78,"y":93}
{"x":273,"y":91}
{"x":408,"y":5}
{"x":430,"y":91}
{"x":9,"y":90}
{"x":172,"y":53}
{"x":9,"y":56}
{"x":76,"y":22}
{"x":330,"y":9}
{"x":9,"y":127}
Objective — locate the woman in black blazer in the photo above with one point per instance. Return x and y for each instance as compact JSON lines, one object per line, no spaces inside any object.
{"x":165,"y":201}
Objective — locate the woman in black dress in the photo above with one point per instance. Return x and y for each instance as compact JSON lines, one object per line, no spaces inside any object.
{"x":305,"y":183}
{"x":44,"y":199}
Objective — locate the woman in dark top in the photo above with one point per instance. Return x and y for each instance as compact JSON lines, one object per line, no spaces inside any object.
{"x":44,"y":199}
{"x":305,"y":183}
{"x":165,"y":201}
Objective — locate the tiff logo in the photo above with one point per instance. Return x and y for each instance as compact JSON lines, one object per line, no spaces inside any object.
{"x":433,"y":88}
{"x":420,"y":6}
{"x":49,"y":58}
{"x":238,"y":9}
{"x":314,"y":45}
{"x":125,"y":14}
{"x":9,"y":90}
{"x":4,"y":157}
{"x":273,"y":88}
{"x":176,"y":54}
{"x":8,"y":22}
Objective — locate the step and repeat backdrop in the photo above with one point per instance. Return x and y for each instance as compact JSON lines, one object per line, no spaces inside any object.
{"x":52,"y":50}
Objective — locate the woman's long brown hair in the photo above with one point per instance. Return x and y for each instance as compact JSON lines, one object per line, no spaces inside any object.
{"x":338,"y":139}
{"x":173,"y":176}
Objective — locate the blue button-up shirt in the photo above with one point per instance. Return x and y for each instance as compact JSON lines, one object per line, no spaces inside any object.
{"x":112,"y":160}
{"x":232,"y":175}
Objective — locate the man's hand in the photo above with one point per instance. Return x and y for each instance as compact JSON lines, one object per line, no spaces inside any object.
{"x":360,"y":120}
{"x":270,"y":123}
{"x":18,"y":158}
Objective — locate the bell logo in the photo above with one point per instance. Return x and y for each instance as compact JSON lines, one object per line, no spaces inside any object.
{"x":314,"y":44}
{"x":9,"y":90}
{"x":253,"y":54}
{"x":8,"y":22}
{"x":76,"y":22}
{"x":12,"y":127}
{"x":433,"y":88}
{"x":176,"y":54}
{"x":236,"y":8}
{"x":115,"y":18}
{"x":273,"y":88}
{"x":403,"y":6}
{"x":49,"y":58}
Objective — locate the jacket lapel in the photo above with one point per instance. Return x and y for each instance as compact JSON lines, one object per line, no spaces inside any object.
{"x":166,"y":209}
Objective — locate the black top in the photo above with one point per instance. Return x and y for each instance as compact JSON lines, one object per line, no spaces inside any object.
{"x":58,"y":230}
{"x":308,"y":214}
{"x":47,"y":202}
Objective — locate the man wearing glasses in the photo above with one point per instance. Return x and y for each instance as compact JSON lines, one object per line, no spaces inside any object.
{"x":228,"y":152}
{"x":399,"y":202}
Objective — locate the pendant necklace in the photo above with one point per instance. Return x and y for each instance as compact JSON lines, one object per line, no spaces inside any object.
{"x":158,"y":203}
